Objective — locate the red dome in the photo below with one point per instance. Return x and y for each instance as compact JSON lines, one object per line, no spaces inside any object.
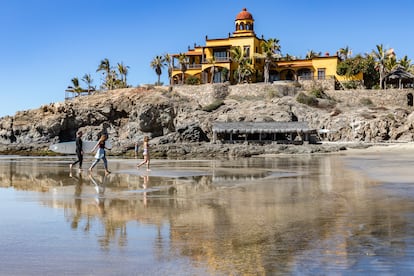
{"x":244,"y":14}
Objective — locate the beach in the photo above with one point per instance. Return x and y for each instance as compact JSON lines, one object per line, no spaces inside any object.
{"x":347,"y":212}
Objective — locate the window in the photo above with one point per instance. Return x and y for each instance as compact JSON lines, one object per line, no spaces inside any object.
{"x":246,"y":51}
{"x":220,"y":55}
{"x":321,"y":73}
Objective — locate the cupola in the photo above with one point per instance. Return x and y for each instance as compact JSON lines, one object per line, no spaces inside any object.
{"x":244,"y":23}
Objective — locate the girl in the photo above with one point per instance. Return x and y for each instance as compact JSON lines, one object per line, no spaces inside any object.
{"x":146,"y":154}
{"x":100,"y":154}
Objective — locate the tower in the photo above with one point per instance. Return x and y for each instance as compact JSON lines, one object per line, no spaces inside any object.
{"x":244,"y":24}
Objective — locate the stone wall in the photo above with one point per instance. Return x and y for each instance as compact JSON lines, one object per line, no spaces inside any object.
{"x":325,"y":84}
{"x":389,"y":97}
{"x":208,"y":93}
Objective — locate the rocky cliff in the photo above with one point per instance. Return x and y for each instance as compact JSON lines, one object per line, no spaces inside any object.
{"x":179,"y":121}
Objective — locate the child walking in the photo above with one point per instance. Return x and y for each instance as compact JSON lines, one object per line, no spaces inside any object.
{"x":100,"y":154}
{"x":145,"y":153}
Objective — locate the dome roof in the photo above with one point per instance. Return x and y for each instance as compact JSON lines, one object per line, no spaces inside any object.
{"x":244,"y":14}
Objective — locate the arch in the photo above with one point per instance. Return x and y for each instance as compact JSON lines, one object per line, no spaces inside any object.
{"x":288,"y":74}
{"x":242,"y":27}
{"x":410,"y":99}
{"x":221,"y":74}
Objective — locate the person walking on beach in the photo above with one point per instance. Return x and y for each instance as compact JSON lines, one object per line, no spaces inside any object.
{"x":100,"y":154}
{"x":145,"y":153}
{"x":79,"y":151}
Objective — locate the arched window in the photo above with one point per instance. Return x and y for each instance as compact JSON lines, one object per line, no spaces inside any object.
{"x":242,"y":26}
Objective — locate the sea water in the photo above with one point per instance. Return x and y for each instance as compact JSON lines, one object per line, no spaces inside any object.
{"x":297,"y":215}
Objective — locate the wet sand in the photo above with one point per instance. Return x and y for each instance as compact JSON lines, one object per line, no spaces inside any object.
{"x":344,"y":213}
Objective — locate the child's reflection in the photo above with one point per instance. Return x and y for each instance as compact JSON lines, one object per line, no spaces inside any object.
{"x":145,"y":186}
{"x":100,"y":190}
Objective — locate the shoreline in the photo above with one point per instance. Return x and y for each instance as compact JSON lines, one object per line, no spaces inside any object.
{"x":208,"y":150}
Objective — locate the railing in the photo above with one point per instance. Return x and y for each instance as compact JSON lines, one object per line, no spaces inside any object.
{"x":189,"y":67}
{"x":327,"y":77}
{"x":222,"y":59}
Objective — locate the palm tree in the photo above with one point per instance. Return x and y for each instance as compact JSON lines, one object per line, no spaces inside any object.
{"x":87,"y":78}
{"x":406,"y":63}
{"x":344,"y":53}
{"x":381,"y":57}
{"x":157,"y":64}
{"x":182,"y":59}
{"x":212,"y":61}
{"x":237,"y":56}
{"x":168,"y":60}
{"x":75,"y":87}
{"x":244,"y":64}
{"x":123,"y":71}
{"x":270,"y":53}
{"x":312,"y":54}
{"x":106,"y":67}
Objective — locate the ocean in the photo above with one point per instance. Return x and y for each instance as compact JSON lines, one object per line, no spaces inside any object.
{"x":327,"y":214}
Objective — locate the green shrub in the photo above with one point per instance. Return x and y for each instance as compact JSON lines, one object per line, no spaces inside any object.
{"x":305,"y":99}
{"x":192,"y":80}
{"x":366,"y":101}
{"x":213,"y":106}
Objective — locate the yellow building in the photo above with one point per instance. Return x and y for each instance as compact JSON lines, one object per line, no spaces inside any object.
{"x":212,"y":63}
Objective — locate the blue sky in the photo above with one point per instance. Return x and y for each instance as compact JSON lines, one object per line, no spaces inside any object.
{"x":45,"y":43}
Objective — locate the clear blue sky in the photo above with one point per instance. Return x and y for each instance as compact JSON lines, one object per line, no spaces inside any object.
{"x":45,"y":43}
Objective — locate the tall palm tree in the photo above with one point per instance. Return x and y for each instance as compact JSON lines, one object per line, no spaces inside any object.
{"x":123,"y":71}
{"x":237,"y":56}
{"x":105,"y":66}
{"x":381,"y":57}
{"x":405,"y":63}
{"x":75,"y":87}
{"x":270,"y":53}
{"x":344,"y":53}
{"x":168,"y":60}
{"x":157,"y":64}
{"x":244,"y":64}
{"x":87,"y":78}
{"x":312,"y":54}
{"x":182,"y":59}
{"x":212,"y":61}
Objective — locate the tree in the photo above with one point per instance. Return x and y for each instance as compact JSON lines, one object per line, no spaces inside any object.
{"x":168,"y":60}
{"x":75,"y":87}
{"x":88,"y":80}
{"x":123,"y":71}
{"x":312,"y":54}
{"x":344,"y":53}
{"x":182,"y":59}
{"x":157,"y":64}
{"x":212,"y":61}
{"x":406,"y":64}
{"x":270,"y":53}
{"x":381,"y":57}
{"x":244,"y":64}
{"x":237,"y":56}
{"x":109,"y":77}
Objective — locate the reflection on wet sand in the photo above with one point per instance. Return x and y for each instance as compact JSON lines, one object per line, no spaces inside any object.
{"x":258,"y":216}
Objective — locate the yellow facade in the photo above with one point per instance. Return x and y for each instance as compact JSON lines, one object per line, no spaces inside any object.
{"x":201,"y":60}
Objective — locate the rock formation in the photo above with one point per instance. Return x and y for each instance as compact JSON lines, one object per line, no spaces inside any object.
{"x":179,"y":121}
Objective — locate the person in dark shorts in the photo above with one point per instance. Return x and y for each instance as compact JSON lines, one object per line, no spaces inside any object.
{"x":79,"y":151}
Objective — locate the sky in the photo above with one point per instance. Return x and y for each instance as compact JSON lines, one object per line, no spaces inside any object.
{"x":45,"y":43}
